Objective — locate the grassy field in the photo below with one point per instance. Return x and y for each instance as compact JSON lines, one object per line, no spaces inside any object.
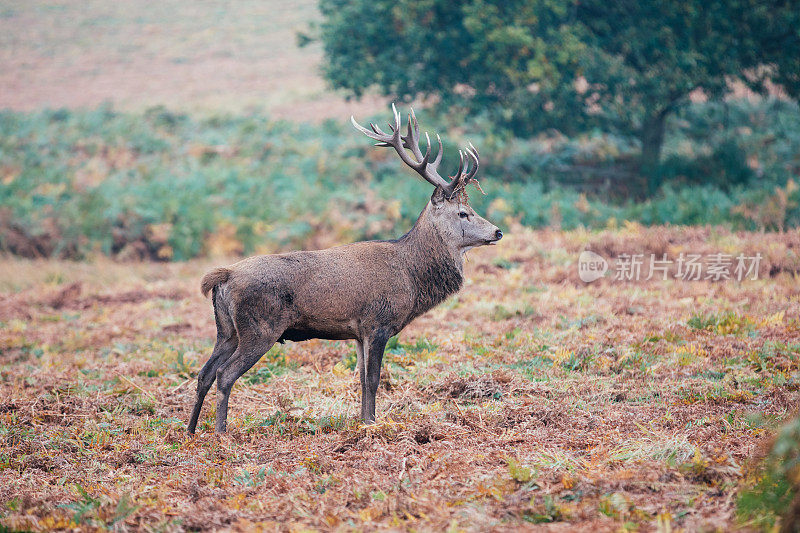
{"x":139,"y":53}
{"x":530,"y":398}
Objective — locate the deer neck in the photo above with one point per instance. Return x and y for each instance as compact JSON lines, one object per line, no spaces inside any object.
{"x":435,"y":268}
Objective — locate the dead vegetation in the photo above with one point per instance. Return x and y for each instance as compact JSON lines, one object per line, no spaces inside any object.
{"x":530,"y":398}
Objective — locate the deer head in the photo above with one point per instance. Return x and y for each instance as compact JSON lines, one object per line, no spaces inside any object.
{"x":448,"y":210}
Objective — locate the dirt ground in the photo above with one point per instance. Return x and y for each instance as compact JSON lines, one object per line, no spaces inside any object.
{"x":530,"y":400}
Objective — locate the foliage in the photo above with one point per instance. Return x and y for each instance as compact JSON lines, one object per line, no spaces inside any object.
{"x":776,"y":482}
{"x":518,"y":472}
{"x":165,"y":185}
{"x":722,"y":323}
{"x":573,"y":65}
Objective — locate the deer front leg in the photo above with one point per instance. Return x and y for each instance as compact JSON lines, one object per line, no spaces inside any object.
{"x":373,"y":357}
{"x":362,"y":372}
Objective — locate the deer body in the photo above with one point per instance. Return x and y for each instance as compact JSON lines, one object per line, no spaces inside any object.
{"x":366,"y":291}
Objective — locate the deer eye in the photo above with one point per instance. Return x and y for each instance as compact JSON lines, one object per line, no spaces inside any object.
{"x":463,"y":214}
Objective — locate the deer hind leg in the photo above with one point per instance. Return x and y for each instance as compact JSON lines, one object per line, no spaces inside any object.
{"x":251,"y":348}
{"x":223,"y":349}
{"x":227,"y":341}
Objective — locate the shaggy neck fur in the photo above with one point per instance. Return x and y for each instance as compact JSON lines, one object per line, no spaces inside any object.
{"x":436,"y":270}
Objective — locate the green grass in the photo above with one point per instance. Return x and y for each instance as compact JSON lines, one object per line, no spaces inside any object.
{"x":728,"y":322}
{"x":271,"y":365}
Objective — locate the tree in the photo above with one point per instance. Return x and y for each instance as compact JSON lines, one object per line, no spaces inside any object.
{"x":569,"y":64}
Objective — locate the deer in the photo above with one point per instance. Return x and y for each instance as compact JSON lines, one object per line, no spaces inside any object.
{"x":365,"y":291}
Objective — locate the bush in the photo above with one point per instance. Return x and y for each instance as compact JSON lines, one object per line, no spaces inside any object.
{"x":170,"y":186}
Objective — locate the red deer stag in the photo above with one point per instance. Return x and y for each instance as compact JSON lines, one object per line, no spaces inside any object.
{"x":366,"y":291}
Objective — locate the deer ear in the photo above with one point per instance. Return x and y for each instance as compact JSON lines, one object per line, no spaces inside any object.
{"x":437,"y":198}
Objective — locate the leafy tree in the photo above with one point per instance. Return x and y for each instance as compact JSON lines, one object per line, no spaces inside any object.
{"x":569,"y":64}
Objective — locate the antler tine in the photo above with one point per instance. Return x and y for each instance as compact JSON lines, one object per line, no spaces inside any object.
{"x":411,"y":140}
{"x":377,"y":130}
{"x":397,"y":120}
{"x":438,"y":158}
{"x":460,"y":166}
{"x":470,"y":177}
{"x":409,"y":136}
{"x":424,"y":162}
{"x":474,"y":170}
{"x":365,"y":131}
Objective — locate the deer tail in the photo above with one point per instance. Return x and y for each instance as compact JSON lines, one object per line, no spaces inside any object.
{"x":214,"y":278}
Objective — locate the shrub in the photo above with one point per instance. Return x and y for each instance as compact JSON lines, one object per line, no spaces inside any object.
{"x":171,"y":186}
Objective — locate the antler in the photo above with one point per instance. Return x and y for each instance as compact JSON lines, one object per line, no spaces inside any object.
{"x":422,"y":163}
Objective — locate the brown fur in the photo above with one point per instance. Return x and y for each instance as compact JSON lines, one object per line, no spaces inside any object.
{"x":214,"y":278}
